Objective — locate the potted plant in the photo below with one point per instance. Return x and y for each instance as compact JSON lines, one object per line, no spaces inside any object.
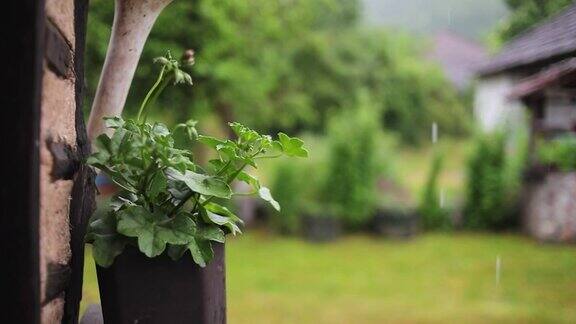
{"x":321,"y":224}
{"x":168,"y":221}
{"x":398,"y":223}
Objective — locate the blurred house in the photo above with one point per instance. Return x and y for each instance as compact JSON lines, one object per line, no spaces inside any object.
{"x":459,"y":58}
{"x":528,"y":67}
{"x":535,"y":75}
{"x":550,"y":96}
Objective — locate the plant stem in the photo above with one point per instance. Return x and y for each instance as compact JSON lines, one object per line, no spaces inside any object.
{"x":268,"y":156}
{"x":228,"y":181}
{"x":160,"y":89}
{"x":150,"y":92}
{"x":224,"y":168}
{"x":235,"y":174}
{"x":182,"y":202}
{"x":144,"y":183}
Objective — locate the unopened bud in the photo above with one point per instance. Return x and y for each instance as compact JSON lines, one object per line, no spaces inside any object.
{"x":188,"y":57}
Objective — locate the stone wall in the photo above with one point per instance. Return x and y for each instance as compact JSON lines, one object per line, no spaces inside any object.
{"x":550,"y":213}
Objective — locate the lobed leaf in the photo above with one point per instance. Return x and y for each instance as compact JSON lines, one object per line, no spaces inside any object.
{"x":292,"y":146}
{"x":138,"y":222}
{"x":202,"y":184}
{"x":265,"y":194}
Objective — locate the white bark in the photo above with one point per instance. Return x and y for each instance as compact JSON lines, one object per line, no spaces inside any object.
{"x":133,"y":20}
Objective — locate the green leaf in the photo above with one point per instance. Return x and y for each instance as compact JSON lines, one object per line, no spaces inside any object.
{"x":265,"y":194}
{"x":102,"y":153}
{"x":140,"y":223}
{"x":107,"y":244}
{"x":201,"y":252}
{"x":181,"y":163}
{"x":114,"y":122}
{"x":228,"y":149}
{"x":178,"y":189}
{"x":249,"y":179}
{"x":211,"y":233}
{"x":203,"y":184}
{"x":221,"y":210}
{"x":216,"y":214}
{"x":160,"y":129}
{"x":210,"y":141}
{"x":292,"y":146}
{"x":244,"y":133}
{"x":103,"y":225}
{"x":156,"y":185}
{"x":116,"y":140}
{"x":179,"y":230}
{"x":175,"y":252}
{"x":105,"y":248}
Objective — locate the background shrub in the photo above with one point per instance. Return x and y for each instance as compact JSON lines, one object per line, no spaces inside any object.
{"x":350,"y":185}
{"x":287,"y":188}
{"x":494,"y":181}
{"x":559,"y":152}
{"x":433,"y":215}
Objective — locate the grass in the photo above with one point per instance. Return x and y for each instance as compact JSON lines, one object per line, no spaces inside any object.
{"x":436,"y":278}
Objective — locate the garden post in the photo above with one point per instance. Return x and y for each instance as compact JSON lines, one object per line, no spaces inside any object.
{"x":47,"y":194}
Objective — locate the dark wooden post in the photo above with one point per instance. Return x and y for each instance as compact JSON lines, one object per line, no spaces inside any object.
{"x":34,"y":48}
{"x":83,"y":201}
{"x":22,"y":54}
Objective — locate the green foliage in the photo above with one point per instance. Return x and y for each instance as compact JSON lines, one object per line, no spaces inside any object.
{"x":350,"y":186}
{"x":434,"y":216}
{"x":289,"y":190}
{"x":408,"y":93}
{"x":485,"y":204}
{"x":527,"y":13}
{"x":494,"y":178}
{"x":245,"y":48}
{"x":288,"y":65}
{"x":559,"y":152}
{"x":168,"y":201}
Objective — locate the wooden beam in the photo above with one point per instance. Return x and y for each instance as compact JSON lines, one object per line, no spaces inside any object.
{"x":22,"y":55}
{"x":83,"y":192}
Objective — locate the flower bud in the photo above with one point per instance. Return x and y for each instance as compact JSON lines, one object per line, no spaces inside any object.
{"x":188,"y":57}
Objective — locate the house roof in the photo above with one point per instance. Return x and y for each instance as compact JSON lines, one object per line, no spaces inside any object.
{"x":458,"y":57}
{"x":557,"y":74}
{"x":550,"y":41}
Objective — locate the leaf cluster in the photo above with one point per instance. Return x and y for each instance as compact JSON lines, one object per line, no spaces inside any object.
{"x":168,"y":202}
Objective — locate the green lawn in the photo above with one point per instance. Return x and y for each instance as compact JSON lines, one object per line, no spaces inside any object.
{"x":432,"y":279}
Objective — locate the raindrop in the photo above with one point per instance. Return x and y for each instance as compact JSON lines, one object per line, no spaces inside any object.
{"x":442,"y":198}
{"x":498,"y":269}
{"x":434,"y":132}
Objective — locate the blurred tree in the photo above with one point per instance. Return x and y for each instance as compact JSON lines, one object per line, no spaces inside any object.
{"x":494,"y":180}
{"x":286,"y":65}
{"x":408,"y":93}
{"x":353,"y":169}
{"x":527,"y":13}
{"x":243,"y":51}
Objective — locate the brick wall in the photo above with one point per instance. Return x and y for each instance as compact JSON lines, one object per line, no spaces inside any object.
{"x":57,"y":138}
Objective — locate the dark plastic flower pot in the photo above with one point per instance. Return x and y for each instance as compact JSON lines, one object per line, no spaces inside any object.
{"x":137,"y":289}
{"x":398,"y":224}
{"x":321,"y":228}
